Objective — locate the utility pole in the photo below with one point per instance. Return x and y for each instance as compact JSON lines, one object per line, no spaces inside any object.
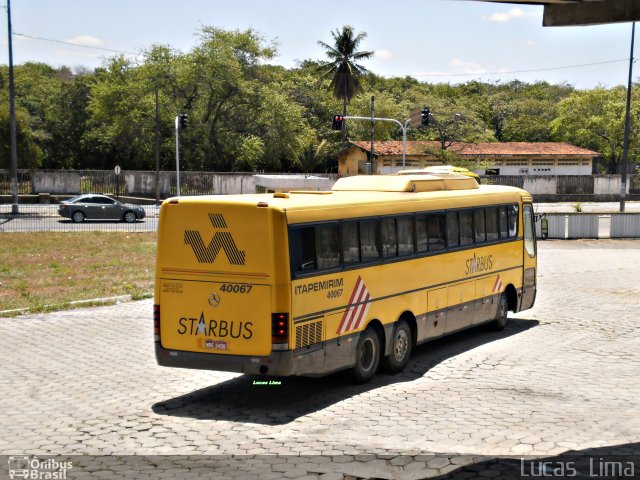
{"x":373,"y":133}
{"x":627,"y":128}
{"x":181,"y":122}
{"x":12,"y":121}
{"x":157,"y":148}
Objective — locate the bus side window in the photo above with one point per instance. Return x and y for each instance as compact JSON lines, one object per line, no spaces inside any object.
{"x":328,"y":246}
{"x":466,"y":227}
{"x":405,"y":235}
{"x":478,"y":223}
{"x":504,"y":223}
{"x":306,"y":249}
{"x":436,"y":232}
{"x":512,"y":213}
{"x":421,"y":233}
{"x":350,"y":243}
{"x":369,"y":244}
{"x":492,"y":223}
{"x":389,"y":237}
{"x":453,"y":229}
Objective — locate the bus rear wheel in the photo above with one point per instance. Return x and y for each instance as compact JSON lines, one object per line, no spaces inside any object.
{"x":367,"y":356}
{"x":401,"y":343}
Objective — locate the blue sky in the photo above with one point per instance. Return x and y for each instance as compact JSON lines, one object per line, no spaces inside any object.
{"x":433,"y":40}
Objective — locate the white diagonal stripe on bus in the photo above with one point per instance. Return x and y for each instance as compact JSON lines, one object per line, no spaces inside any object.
{"x":348,"y":314}
{"x":347,"y":311}
{"x":359,"y":310}
{"x":362,"y":292}
{"x":498,"y":285}
{"x":353,"y":310}
{"x":363,"y":312}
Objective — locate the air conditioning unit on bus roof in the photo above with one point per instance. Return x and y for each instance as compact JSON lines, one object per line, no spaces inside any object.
{"x":405,"y":183}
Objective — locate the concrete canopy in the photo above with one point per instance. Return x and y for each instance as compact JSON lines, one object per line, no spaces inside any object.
{"x":559,"y":13}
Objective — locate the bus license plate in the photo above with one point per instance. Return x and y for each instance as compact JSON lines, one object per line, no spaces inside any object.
{"x":215,"y":344}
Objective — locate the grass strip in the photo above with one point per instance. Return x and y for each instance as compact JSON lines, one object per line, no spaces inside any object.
{"x":41,"y":271}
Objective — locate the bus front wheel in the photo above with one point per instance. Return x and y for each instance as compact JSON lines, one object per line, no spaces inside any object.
{"x":500,"y":321}
{"x":400,"y":348}
{"x":367,"y":356}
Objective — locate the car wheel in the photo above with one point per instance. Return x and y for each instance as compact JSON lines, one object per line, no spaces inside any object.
{"x":129,"y":217}
{"x":502,"y":316}
{"x":367,"y":356}
{"x":77,"y":216}
{"x":401,"y":344}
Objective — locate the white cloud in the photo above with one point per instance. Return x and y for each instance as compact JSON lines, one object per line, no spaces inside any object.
{"x":531,"y":43}
{"x":85,"y":40}
{"x":461,"y":66}
{"x":72,"y":53}
{"x":504,"y":16}
{"x":383,"y":54}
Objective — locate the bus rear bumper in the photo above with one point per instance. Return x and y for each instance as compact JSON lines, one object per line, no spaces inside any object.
{"x":276,"y":364}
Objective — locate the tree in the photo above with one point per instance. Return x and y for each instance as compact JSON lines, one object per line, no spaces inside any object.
{"x":342,"y":66}
{"x":451,"y":121}
{"x":594,"y":119}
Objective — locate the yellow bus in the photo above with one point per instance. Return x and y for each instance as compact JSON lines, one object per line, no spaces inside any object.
{"x":310,"y":283}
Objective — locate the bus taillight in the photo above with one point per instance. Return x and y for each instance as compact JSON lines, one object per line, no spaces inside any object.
{"x":280,"y":327}
{"x":156,"y":323}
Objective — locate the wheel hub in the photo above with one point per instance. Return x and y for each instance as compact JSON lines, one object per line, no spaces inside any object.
{"x":401,"y":344}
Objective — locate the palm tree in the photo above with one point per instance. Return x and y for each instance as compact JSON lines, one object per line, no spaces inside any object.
{"x":342,"y":67}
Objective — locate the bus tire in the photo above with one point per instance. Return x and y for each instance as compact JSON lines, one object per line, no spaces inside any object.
{"x":401,"y":343}
{"x":502,"y":316}
{"x":367,"y":356}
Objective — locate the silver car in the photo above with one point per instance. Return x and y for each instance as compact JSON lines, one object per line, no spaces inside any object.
{"x":99,"y":207}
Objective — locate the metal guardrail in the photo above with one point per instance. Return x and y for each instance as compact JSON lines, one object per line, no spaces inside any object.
{"x":589,"y":225}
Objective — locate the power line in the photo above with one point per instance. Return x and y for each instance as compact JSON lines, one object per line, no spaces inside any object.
{"x":533,"y":70}
{"x":516,"y":71}
{"x":74,"y":44}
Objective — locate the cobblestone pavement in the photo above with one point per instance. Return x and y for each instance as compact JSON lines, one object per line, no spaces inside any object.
{"x":562,"y":377}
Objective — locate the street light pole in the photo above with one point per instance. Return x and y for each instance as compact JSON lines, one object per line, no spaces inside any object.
{"x":12,"y":121}
{"x":403,"y":127}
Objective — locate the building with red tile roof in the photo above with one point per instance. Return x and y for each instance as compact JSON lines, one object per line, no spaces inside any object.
{"x":497,"y":158}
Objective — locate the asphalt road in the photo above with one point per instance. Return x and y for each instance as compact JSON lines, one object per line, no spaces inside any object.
{"x":45,"y":218}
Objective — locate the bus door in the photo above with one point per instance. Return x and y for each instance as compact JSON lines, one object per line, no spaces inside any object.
{"x":529,"y":258}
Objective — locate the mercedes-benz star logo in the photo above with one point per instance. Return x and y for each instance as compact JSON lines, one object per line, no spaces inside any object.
{"x":214,"y":299}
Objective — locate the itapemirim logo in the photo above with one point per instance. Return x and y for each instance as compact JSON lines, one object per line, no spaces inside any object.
{"x":220,"y":241}
{"x":23,"y":466}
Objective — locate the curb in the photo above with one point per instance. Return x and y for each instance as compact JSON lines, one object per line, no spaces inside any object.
{"x":61,"y":306}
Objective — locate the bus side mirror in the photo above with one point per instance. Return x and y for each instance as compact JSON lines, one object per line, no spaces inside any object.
{"x":544,"y":225}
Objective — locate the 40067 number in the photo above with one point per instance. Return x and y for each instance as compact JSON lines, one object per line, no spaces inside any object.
{"x":235,"y":288}
{"x":334,"y":293}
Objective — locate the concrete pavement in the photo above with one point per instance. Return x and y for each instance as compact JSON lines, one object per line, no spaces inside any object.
{"x":562,"y":377}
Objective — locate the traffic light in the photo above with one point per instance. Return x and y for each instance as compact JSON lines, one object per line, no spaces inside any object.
{"x":182,"y":120}
{"x":425,"y":114}
{"x":337,"y":122}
